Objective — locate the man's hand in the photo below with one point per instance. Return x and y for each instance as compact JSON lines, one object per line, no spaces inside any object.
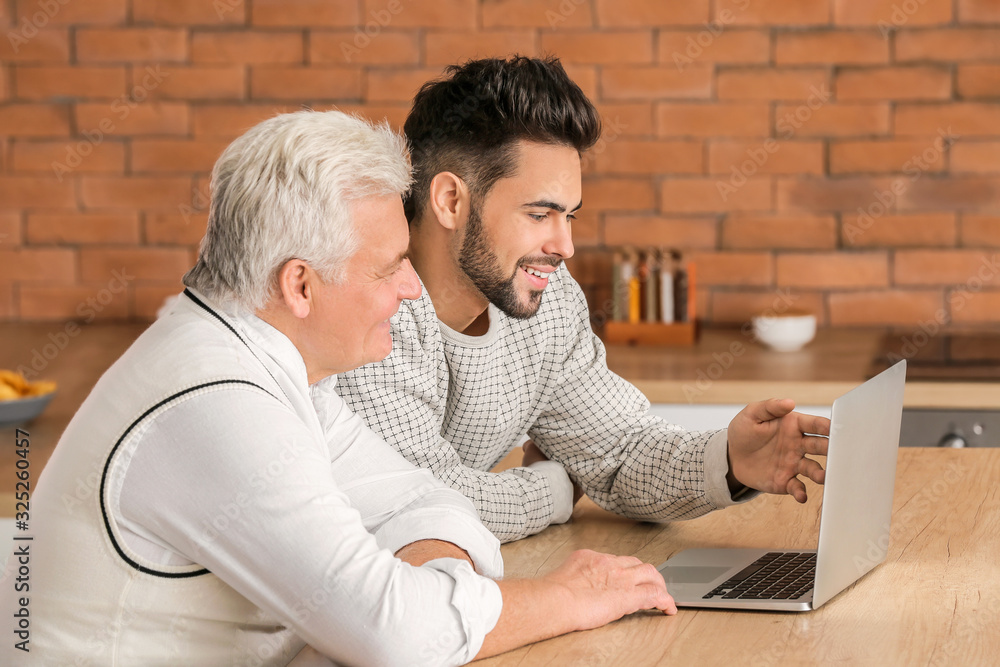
{"x":768,"y":444}
{"x":587,"y":591}
{"x":532,"y":454}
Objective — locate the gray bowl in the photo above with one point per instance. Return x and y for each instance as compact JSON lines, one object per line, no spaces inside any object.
{"x":20,"y":410}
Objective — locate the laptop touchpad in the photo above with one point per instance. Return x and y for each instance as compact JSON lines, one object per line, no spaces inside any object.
{"x":689,"y":574}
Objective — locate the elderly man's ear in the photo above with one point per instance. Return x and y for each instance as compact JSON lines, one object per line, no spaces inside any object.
{"x":296,"y":281}
{"x":449,"y":200}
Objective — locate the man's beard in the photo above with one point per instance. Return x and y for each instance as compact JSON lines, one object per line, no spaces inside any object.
{"x":482,"y":266}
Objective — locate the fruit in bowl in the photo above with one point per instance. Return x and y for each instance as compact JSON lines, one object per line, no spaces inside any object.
{"x":21,"y":400}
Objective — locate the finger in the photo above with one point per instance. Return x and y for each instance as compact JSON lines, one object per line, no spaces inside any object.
{"x":527,"y":445}
{"x":814,"y":444}
{"x":772,"y":408}
{"x":796,"y":489}
{"x":813,"y":424}
{"x":813,"y":470}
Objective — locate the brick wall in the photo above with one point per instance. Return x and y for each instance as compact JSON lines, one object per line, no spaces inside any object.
{"x":840,"y":153}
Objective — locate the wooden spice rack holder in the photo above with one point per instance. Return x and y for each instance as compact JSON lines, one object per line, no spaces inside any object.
{"x":656,"y":333}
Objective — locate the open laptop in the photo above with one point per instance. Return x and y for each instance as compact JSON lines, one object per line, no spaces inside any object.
{"x":854,"y":523}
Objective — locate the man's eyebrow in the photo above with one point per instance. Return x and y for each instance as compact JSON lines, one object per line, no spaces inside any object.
{"x":398,"y":260}
{"x":544,"y":203}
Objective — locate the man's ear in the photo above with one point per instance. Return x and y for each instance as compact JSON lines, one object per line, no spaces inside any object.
{"x":449,"y":200}
{"x":295,"y":281}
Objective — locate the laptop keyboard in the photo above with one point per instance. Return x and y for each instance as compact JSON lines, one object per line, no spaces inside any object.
{"x":773,"y":576}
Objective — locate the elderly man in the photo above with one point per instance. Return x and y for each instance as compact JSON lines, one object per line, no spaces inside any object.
{"x":244,"y":515}
{"x":499,"y":343}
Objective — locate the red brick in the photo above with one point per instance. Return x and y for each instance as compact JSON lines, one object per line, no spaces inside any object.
{"x":765,"y":156}
{"x":62,"y":157}
{"x":193,"y":83}
{"x":537,"y":14}
{"x":232,"y":120}
{"x":940,"y":267}
{"x":896,"y":83}
{"x":710,"y":195}
{"x":108,"y":192}
{"x":247,"y":46}
{"x":879,"y":308}
{"x":50,"y":45}
{"x":586,"y":229}
{"x":771,"y":84}
{"x":305,"y":83}
{"x":910,"y":156}
{"x":449,"y":14}
{"x":73,"y":13}
{"x":831,"y":120}
{"x":622,"y":156}
{"x":128,"y":45}
{"x":618,"y":194}
{"x":741,"y":231}
{"x":446,"y":48}
{"x":948,"y":44}
{"x":83,"y":228}
{"x":35,"y":191}
{"x":78,"y":302}
{"x":740,"y":306}
{"x":955,"y":193}
{"x":646,"y":230}
{"x":685,"y":48}
{"x":978,"y":80}
{"x":655,"y":83}
{"x":51,"y":82}
{"x":823,"y":47}
{"x":965,"y":119}
{"x":189,"y":12}
{"x":978,"y":11}
{"x":891,"y":14}
{"x":4,"y":86}
{"x":584,"y":76}
{"x":121,"y":118}
{"x":397,"y":85}
{"x":975,"y":307}
{"x":733,"y":268}
{"x":833,"y":270}
{"x":35,"y":120}
{"x":609,"y":47}
{"x":842,"y":194}
{"x":773,"y":12}
{"x":169,"y":228}
{"x":684,"y":119}
{"x":922,"y":229}
{"x":343,"y":47}
{"x":394,"y":113}
{"x":307,"y":13}
{"x":641,"y":13}
{"x":626,"y":119}
{"x":99,"y":264}
{"x":176,"y":155}
{"x":981,"y":230}
{"x":10,"y":230}
{"x":148,"y":298}
{"x":37,"y":265}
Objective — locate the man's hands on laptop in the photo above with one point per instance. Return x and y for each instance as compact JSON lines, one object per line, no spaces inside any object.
{"x":768,"y":444}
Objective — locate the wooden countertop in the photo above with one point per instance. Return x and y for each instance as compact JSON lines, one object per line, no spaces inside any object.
{"x":728,"y":367}
{"x":934,"y":601}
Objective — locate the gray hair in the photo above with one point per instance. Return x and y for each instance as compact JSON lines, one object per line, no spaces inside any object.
{"x":283,"y":191}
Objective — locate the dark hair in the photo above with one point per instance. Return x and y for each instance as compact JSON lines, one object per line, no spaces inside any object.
{"x":469,"y":121}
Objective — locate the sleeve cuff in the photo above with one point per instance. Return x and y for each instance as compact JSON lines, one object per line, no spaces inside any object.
{"x":716,"y":469}
{"x":477,"y":599}
{"x":435,"y":523}
{"x":561,"y":486}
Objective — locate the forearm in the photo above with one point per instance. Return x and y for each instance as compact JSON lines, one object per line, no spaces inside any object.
{"x":533,"y":610}
{"x":418,"y":553}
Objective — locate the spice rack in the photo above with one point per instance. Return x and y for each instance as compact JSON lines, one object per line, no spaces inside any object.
{"x":630,"y":323}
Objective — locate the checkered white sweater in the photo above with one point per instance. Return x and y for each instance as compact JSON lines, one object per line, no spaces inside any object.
{"x":458,"y":404}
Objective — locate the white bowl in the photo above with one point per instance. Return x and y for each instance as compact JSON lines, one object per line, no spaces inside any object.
{"x":784,"y":333}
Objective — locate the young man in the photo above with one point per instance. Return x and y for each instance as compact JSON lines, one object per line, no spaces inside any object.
{"x":499,"y":343}
{"x":243,"y":515}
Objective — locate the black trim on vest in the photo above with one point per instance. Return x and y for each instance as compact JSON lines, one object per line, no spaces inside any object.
{"x":107,"y":466}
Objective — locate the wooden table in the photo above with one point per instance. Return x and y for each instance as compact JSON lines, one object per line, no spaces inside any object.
{"x":934,"y":601}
